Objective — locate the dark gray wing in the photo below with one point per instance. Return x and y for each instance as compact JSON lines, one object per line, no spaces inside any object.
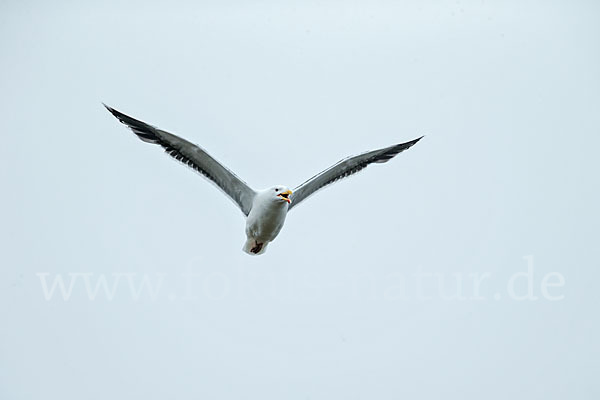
{"x":347,"y":167}
{"x":193,"y":156}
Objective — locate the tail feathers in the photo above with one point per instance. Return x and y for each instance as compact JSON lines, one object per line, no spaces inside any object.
{"x":254,"y":248}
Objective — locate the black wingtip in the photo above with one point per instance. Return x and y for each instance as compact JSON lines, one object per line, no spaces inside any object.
{"x":414,"y":141}
{"x":126,"y":119}
{"x":145,"y":132}
{"x":112,"y":110}
{"x":118,"y":115}
{"x":409,"y":144}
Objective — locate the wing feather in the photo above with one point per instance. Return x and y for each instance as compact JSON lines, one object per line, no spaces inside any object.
{"x":193,"y":156}
{"x":346,"y":167}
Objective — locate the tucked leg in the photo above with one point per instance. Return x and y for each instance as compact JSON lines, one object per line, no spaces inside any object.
{"x":256,"y":248}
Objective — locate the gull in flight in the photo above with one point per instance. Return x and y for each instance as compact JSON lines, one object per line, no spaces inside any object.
{"x":265,"y":209}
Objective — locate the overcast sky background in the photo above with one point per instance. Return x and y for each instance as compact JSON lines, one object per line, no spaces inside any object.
{"x":508,"y":94}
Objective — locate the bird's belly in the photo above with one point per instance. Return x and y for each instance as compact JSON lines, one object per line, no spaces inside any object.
{"x":265,"y":224}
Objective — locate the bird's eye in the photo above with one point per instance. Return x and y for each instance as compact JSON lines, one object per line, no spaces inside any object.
{"x":277,"y":190}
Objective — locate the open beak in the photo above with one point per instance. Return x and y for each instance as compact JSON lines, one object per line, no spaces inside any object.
{"x":286,"y":196}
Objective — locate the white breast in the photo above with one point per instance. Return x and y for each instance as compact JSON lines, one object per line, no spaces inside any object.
{"x":265,"y":219}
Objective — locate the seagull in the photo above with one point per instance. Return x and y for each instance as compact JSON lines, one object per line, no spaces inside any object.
{"x":265,"y":210}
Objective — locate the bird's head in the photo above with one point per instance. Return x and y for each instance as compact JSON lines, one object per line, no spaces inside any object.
{"x":281,"y":193}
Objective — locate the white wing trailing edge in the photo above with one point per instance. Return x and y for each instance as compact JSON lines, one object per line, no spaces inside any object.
{"x":347,"y":167}
{"x":193,"y":156}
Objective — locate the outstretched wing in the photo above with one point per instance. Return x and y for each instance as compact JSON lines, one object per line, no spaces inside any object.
{"x":193,"y":156}
{"x":347,"y":167}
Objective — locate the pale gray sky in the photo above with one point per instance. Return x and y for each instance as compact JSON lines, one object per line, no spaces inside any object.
{"x":346,"y":303}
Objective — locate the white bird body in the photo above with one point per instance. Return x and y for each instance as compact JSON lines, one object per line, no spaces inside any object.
{"x":266,"y":219}
{"x":265,"y":210}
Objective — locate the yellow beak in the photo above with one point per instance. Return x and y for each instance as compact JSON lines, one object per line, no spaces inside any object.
{"x":286,"y":196}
